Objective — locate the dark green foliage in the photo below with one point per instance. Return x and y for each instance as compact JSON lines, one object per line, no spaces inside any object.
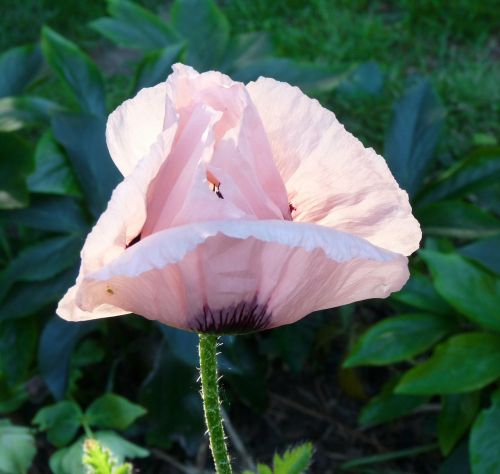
{"x":463,"y":363}
{"x":16,"y":163}
{"x":458,"y":412}
{"x":485,"y":439}
{"x":57,"y":343}
{"x":19,"y":68}
{"x":113,"y":412}
{"x":132,"y":26}
{"x":207,"y":31}
{"x":83,"y":137}
{"x":75,"y":69}
{"x":61,"y":421}
{"x":399,"y":338}
{"x":413,"y":136}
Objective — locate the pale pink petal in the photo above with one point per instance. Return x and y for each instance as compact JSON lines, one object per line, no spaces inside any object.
{"x":180,"y":193}
{"x":331,"y":178}
{"x":136,"y":124}
{"x":67,"y":308}
{"x":187,"y":276}
{"x":240,"y":156}
{"x":120,"y":223}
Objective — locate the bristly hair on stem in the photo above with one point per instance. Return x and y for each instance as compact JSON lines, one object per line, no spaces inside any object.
{"x":211,"y":402}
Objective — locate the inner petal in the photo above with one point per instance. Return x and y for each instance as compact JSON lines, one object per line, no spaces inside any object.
{"x":220,"y":166}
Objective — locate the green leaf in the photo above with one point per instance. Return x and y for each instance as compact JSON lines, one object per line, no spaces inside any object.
{"x":457,"y":462}
{"x":51,"y":213}
{"x":134,"y":27}
{"x":413,"y":135}
{"x":76,"y":70}
{"x":397,"y":339}
{"x":68,"y":460}
{"x":16,"y":163}
{"x":17,"y":448}
{"x":156,"y":66}
{"x":463,"y":363}
{"x":292,"y":343}
{"x":356,"y":464}
{"x":470,"y":290}
{"x":206,"y":29}
{"x":120,"y":447}
{"x":489,"y":197}
{"x":18,"y":68}
{"x":53,"y":174}
{"x":25,"y":111}
{"x":457,"y":413}
{"x":88,"y":352}
{"x":57,"y":343}
{"x":16,"y":359}
{"x":387,"y":406}
{"x":367,"y":78}
{"x":457,"y":219}
{"x":41,"y":261}
{"x":174,"y":409}
{"x":419,"y":292}
{"x":245,"y":48}
{"x":294,"y":460}
{"x":61,"y":421}
{"x":484,"y":251}
{"x":26,"y":299}
{"x":114,"y":412}
{"x":478,"y":170}
{"x":11,"y":397}
{"x":263,"y":469}
{"x":83,"y":137}
{"x":307,"y":76}
{"x":484,"y":440}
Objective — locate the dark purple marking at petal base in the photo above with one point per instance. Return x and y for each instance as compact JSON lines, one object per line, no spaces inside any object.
{"x":244,"y":317}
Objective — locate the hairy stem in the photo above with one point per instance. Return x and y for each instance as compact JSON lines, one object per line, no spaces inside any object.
{"x":211,"y":403}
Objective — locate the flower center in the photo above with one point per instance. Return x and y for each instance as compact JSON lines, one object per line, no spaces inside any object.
{"x":246,"y":316}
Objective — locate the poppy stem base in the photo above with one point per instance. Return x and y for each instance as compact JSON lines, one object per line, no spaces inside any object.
{"x":211,"y":402}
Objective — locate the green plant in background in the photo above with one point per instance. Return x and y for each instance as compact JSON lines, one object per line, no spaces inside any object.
{"x":17,"y":448}
{"x":99,"y":460}
{"x":293,"y":461}
{"x":56,"y":177}
{"x":63,"y":420}
{"x":451,"y":302}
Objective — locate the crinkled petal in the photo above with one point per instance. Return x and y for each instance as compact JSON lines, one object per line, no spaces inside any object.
{"x":136,"y":124}
{"x":120,"y":223}
{"x":68,"y":309}
{"x":204,"y":274}
{"x":241,"y":158}
{"x":331,"y":178}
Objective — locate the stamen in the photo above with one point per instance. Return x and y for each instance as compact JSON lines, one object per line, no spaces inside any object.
{"x":244,"y":317}
{"x":133,"y":241}
{"x":215,"y":184}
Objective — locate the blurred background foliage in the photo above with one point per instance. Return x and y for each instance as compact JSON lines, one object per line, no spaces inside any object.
{"x":404,"y":385}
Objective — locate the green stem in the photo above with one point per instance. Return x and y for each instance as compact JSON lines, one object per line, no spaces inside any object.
{"x":211,"y":403}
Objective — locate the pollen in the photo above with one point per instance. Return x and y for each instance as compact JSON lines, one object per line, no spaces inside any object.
{"x":110,"y":291}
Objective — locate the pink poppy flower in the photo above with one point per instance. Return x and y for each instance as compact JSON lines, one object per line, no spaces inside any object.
{"x":242,"y":208}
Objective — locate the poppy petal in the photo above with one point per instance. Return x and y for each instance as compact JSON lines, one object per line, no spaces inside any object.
{"x":219,"y":269}
{"x":135,"y":125}
{"x":331,"y":178}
